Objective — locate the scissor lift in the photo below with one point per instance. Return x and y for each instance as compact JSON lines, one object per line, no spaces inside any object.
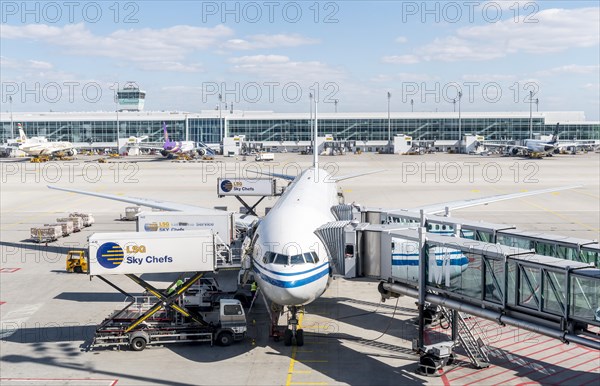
{"x":161,"y":317}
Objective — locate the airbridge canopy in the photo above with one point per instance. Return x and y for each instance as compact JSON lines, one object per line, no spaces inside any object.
{"x":553,"y":296}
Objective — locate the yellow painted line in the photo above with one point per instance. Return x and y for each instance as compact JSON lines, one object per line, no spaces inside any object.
{"x":587,"y":227}
{"x":585,"y":193}
{"x":293,"y":358}
{"x":475,"y":190}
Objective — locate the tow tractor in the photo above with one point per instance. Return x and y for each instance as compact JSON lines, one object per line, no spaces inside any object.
{"x":171,"y":316}
{"x":76,"y":262}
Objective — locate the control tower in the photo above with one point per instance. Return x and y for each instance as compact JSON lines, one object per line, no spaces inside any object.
{"x":131,"y":98}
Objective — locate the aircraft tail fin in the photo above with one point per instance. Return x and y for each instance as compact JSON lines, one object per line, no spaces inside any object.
{"x":22,"y":135}
{"x":555,"y":134}
{"x":165,"y":132}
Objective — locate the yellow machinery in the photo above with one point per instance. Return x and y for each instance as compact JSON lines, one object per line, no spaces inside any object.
{"x":40,"y":158}
{"x":76,"y":262}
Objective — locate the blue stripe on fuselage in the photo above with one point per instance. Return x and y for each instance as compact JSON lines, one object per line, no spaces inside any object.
{"x":292,"y":283}
{"x":290,"y":273}
{"x":440,"y":262}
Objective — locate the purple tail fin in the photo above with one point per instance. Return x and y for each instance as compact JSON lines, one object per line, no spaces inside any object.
{"x":165,"y":131}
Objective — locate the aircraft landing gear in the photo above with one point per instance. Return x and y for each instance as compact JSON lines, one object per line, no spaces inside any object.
{"x":293,"y":332}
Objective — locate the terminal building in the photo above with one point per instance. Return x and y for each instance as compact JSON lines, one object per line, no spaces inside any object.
{"x":364,"y":131}
{"x":367,"y":130}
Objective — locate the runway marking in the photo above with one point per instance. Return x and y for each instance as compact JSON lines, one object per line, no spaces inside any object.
{"x":1,"y":303}
{"x":587,"y":227}
{"x":15,"y":320}
{"x":77,"y":381}
{"x":293,"y":358}
{"x":586,"y":193}
{"x":9,"y":270}
{"x":566,"y":218}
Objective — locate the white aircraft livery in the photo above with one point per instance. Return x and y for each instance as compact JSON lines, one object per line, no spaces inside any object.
{"x":289,"y":261}
{"x":40,"y":146}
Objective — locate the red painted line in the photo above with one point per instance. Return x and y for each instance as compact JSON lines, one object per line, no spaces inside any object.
{"x":61,"y":379}
{"x":531,"y":341}
{"x":1,"y":303}
{"x":579,"y":375}
{"x":9,"y":270}
{"x":558,"y":372}
{"x":572,"y":368}
{"x":519,"y":366}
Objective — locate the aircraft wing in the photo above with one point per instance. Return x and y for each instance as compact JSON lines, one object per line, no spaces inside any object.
{"x":354,"y":175}
{"x":453,"y":205}
{"x":158,"y":204}
{"x":276,"y":175}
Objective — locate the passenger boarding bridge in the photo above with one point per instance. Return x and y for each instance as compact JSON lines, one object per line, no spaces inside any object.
{"x":471,"y":274}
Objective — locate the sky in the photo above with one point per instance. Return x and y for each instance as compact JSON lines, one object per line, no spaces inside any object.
{"x":271,"y":55}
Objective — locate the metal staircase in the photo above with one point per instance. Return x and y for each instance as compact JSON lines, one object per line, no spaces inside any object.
{"x":469,"y":337}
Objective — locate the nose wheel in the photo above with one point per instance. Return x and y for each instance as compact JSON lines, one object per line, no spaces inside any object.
{"x":292,"y":332}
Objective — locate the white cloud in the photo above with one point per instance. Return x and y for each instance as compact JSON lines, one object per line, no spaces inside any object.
{"x":556,"y":30}
{"x":401,"y":39}
{"x":404,"y":77}
{"x":30,"y":64}
{"x":263,"y":41}
{"x":400,"y":59}
{"x":570,"y":69}
{"x":282,"y":68}
{"x":145,"y":44}
{"x":488,"y":77}
{"x":171,"y":66}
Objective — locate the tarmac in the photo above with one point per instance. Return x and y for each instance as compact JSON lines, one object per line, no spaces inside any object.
{"x":48,"y":316}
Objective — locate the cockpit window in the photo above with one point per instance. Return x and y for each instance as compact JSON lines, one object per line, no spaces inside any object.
{"x":296,"y":259}
{"x":281,"y":259}
{"x":269,"y":257}
{"x":308,"y":257}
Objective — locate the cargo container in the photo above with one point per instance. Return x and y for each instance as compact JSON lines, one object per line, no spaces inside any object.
{"x":76,"y":221}
{"x":46,"y":234}
{"x":67,"y":227}
{"x":87,"y":218}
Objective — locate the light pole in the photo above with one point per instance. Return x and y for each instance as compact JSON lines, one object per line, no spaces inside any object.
{"x":412,"y":105}
{"x":459,"y":124}
{"x":537,"y":105}
{"x":389,"y":97}
{"x":310,"y":124}
{"x":530,"y":114}
{"x":117,"y":112}
{"x":12,"y":126}
{"x":454,"y":104}
{"x":335,"y":103}
{"x":220,"y":120}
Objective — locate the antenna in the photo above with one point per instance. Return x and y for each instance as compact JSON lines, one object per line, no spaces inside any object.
{"x":316,"y":131}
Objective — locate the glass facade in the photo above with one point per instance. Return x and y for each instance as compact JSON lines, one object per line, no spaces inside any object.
{"x":293,"y":130}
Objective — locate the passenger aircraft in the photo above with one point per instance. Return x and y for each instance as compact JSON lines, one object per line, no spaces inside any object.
{"x":172,"y":148}
{"x":39,"y":146}
{"x":289,"y":260}
{"x":533,"y":146}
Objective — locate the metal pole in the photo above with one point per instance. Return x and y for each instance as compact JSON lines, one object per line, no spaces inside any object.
{"x":422,"y":282}
{"x":315,"y":150}
{"x":412,"y":105}
{"x":220,"y":120}
{"x":310,"y":124}
{"x":12,"y":126}
{"x":389,"y":96}
{"x":530,"y":115}
{"x":117,"y":112}
{"x":459,"y":124}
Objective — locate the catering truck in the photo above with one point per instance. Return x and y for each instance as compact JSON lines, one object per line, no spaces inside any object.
{"x":173,"y":314}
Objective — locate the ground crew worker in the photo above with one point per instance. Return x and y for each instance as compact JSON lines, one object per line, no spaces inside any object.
{"x":253,"y":289}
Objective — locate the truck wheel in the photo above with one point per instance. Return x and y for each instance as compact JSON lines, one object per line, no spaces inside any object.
{"x":78,"y":269}
{"x":300,"y":338}
{"x":225,"y":339}
{"x":138,"y":343}
{"x":287,"y":337}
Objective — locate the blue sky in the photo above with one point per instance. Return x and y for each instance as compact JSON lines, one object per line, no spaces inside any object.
{"x":271,"y":55}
